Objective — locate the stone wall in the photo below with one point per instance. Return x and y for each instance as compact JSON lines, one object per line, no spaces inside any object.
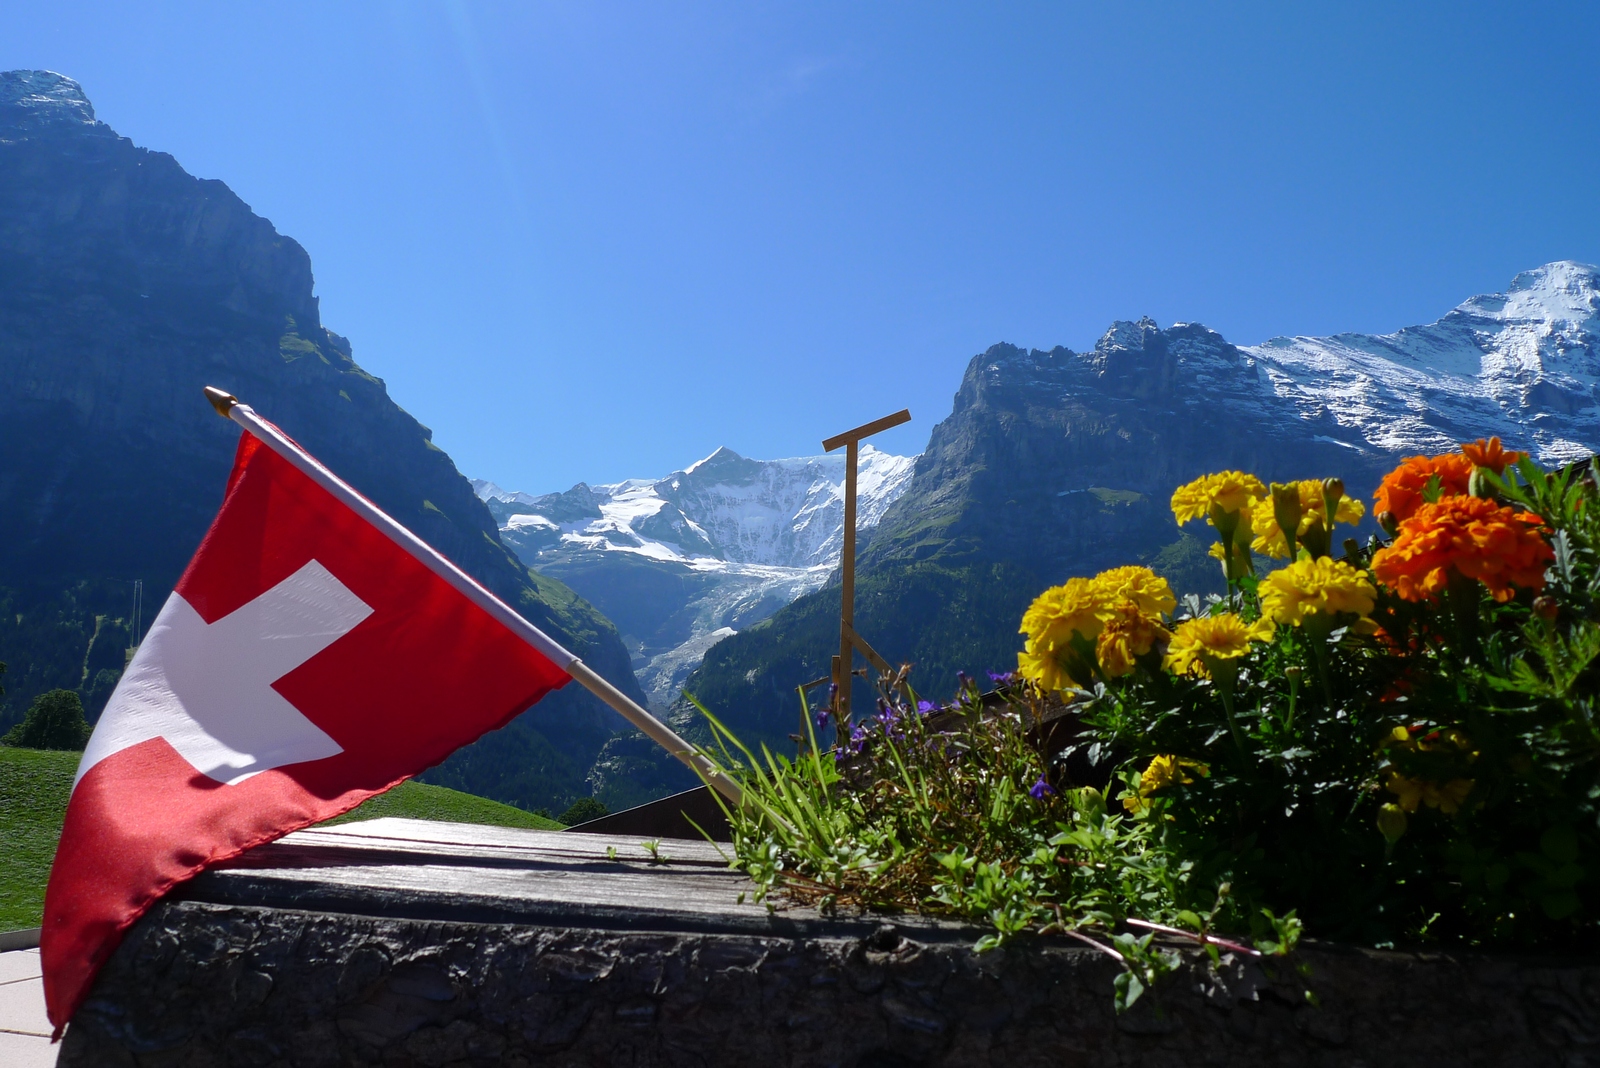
{"x":209,"y":984}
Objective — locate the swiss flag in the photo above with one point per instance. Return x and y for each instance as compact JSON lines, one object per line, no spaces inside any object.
{"x":305,"y":662}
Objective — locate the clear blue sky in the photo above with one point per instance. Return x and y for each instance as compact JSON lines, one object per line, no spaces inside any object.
{"x":595,"y":241}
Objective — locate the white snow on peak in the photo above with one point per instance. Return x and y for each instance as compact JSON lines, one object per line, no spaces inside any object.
{"x":722,"y":510}
{"x":1523,"y":364}
{"x":758,"y":533}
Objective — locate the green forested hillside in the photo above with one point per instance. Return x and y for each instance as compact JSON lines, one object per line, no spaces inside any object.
{"x":72,"y":638}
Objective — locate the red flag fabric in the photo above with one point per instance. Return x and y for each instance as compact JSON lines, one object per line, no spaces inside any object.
{"x":304,"y":663}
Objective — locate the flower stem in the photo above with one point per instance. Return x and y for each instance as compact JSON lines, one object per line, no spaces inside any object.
{"x":1294,"y":692}
{"x":1233,"y":724}
{"x":1319,"y":653}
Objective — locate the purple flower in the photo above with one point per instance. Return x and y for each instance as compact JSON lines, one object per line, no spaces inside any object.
{"x":858,"y":738}
{"x":822,"y":717}
{"x":1002,"y":678}
{"x":962,"y":679}
{"x":1041,"y":789}
{"x":924,"y":707}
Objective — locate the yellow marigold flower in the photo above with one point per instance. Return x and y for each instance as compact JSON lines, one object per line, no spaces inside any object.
{"x":1045,"y":670}
{"x":1164,"y":770}
{"x":1471,"y":536}
{"x":1447,"y":798}
{"x":1138,"y":586}
{"x":1074,"y":607}
{"x":1228,"y":491}
{"x":1198,"y":644}
{"x":1269,"y":539}
{"x":1130,"y":633}
{"x":1322,"y":587}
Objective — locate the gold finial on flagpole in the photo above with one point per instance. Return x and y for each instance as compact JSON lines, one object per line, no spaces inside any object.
{"x":222,"y":401}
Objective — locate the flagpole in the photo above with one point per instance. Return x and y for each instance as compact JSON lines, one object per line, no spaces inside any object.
{"x":230,"y":407}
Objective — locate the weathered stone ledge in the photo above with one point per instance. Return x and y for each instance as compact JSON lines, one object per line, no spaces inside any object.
{"x":207,"y":981}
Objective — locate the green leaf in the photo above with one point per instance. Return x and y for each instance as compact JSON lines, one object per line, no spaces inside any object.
{"x":1128,"y":988}
{"x":1560,"y":844}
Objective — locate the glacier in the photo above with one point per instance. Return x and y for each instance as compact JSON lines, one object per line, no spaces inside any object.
{"x":681,"y":562}
{"x":1523,"y":364}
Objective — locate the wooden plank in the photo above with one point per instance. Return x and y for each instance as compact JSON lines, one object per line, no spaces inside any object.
{"x":869,"y":652}
{"x":468,"y":873}
{"x":866,"y":430}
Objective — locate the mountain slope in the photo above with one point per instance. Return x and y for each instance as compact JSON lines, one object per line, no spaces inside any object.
{"x":683,"y":561}
{"x":1053,"y":464}
{"x":125,"y":286}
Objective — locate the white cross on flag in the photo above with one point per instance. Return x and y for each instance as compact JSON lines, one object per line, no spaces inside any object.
{"x":306,"y":661}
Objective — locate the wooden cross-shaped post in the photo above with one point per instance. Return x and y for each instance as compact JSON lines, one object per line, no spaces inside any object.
{"x":849,"y":640}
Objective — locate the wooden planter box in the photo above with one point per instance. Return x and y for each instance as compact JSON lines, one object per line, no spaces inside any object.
{"x":398,"y":942}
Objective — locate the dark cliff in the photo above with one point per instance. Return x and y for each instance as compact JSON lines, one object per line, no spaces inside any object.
{"x":126,"y":285}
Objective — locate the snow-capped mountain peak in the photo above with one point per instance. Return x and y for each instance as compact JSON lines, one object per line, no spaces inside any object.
{"x":1523,"y":364}
{"x":724,"y":509}
{"x":683,"y":561}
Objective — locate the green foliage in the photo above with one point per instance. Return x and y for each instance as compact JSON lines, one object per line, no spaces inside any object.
{"x":582,"y":811}
{"x":72,"y":637}
{"x":951,"y":812}
{"x":54,"y":721}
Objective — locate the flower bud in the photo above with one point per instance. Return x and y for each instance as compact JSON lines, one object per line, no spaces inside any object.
{"x":1546,"y":607}
{"x":1391,"y":822}
{"x":1286,"y":511}
{"x":1389,"y":522}
{"x":1316,"y":539}
{"x":1477,"y":485}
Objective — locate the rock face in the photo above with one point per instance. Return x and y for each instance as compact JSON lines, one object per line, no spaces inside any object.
{"x":1054,"y":464}
{"x":681,"y":562}
{"x":125,"y":286}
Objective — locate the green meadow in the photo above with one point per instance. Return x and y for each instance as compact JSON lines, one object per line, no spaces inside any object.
{"x":35,"y":783}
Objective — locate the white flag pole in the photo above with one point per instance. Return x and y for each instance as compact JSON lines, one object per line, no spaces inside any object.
{"x":230,"y":407}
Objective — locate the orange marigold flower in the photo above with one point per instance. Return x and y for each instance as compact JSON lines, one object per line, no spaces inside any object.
{"x":1489,"y":454}
{"x":1401,"y":489}
{"x":1471,"y":536}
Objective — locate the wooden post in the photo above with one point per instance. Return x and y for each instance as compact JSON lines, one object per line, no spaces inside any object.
{"x":844,"y":662}
{"x":847,"y":586}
